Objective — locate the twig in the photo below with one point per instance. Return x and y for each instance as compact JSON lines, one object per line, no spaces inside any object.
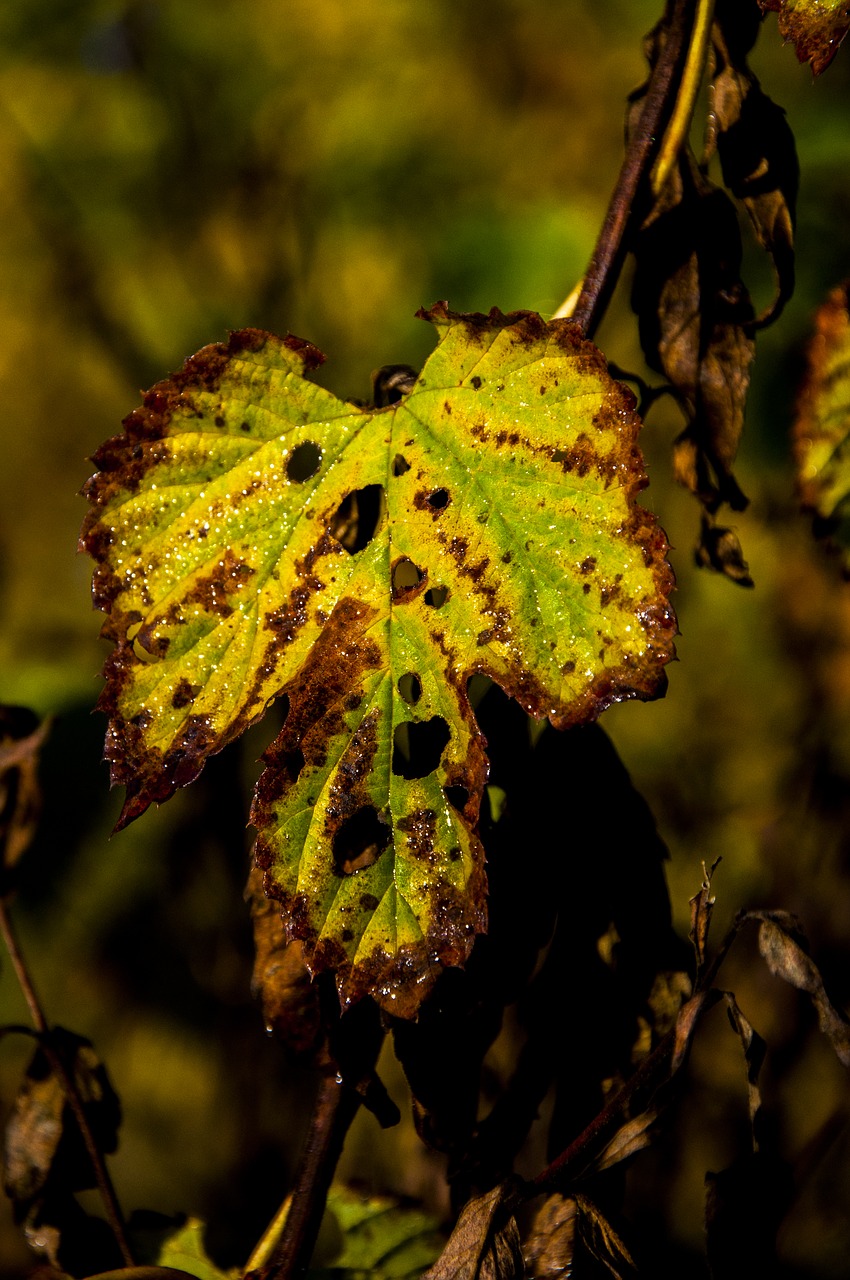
{"x":640,"y":154}
{"x":651,"y":1073}
{"x":285,"y":1249}
{"x":69,"y":1086}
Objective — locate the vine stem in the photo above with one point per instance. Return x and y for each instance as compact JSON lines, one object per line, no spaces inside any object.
{"x":643,"y":146}
{"x":285,"y":1249}
{"x":69,"y":1085}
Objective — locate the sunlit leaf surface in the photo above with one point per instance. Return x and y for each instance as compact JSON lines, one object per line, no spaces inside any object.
{"x":257,"y":536}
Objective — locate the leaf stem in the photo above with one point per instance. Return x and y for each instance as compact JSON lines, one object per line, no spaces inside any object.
{"x":680,"y":121}
{"x":643,"y":145}
{"x":651,"y":1073}
{"x":285,"y":1250}
{"x":69,"y":1086}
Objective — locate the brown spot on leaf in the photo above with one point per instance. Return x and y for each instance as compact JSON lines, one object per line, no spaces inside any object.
{"x":211,"y":590}
{"x":184,"y":694}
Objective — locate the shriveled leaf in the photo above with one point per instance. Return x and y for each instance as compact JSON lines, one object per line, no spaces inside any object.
{"x":550,"y":1248}
{"x":504,"y":538}
{"x":281,"y":980}
{"x":44,"y":1148}
{"x":822,"y":428}
{"x":378,"y":1238}
{"x":185,"y":1252}
{"x":695,"y":320}
{"x":45,"y":1158}
{"x":630,"y":1138}
{"x":485,"y":1243}
{"x":21,"y":738}
{"x":686,"y":1025}
{"x":783,"y":945}
{"x":816,"y":27}
{"x":756,"y":146}
{"x":754,"y":1050}
{"x":599,"y":1239}
{"x":702,"y":908}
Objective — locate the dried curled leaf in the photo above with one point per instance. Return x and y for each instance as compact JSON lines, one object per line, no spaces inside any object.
{"x":695,"y":320}
{"x":822,"y":428}
{"x":783,"y":945}
{"x":816,"y":27}
{"x":566,"y":1228}
{"x":45,"y":1158}
{"x":485,"y":1243}
{"x":281,"y":980}
{"x":756,"y":146}
{"x":497,"y":531}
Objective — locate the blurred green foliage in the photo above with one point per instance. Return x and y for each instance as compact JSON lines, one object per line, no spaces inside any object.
{"x":171,"y":170}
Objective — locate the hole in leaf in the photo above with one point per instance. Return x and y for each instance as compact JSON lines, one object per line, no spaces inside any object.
{"x":410,"y":688}
{"x":458,"y":797}
{"x":406,"y":577}
{"x":438,"y":499}
{"x":436,"y":597}
{"x":400,"y":465}
{"x":418,"y":747}
{"x":304,"y":461}
{"x":392,"y":382}
{"x":360,"y":841}
{"x":358,"y":517}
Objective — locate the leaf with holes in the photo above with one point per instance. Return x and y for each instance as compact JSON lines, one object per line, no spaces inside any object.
{"x":822,"y":429}
{"x":257,"y":537}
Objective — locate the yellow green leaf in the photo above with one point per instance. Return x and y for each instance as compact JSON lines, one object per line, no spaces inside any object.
{"x":257,"y":536}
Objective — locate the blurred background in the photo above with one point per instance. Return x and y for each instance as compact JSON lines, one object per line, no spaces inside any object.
{"x":169,"y":171}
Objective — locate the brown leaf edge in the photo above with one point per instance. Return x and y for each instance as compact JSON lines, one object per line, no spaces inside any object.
{"x":151,"y":776}
{"x":816,"y":29}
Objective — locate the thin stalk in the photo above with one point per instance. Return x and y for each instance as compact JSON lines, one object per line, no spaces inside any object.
{"x":641,"y":151}
{"x":69,"y":1085}
{"x":680,"y":121}
{"x":285,"y":1249}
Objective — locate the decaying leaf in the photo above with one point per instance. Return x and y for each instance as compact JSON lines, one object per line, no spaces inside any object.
{"x":754,"y":1050}
{"x":822,"y":429}
{"x":816,"y":27}
{"x":281,"y":980}
{"x":21,"y":738}
{"x":702,"y":909}
{"x":695,"y":320}
{"x":485,"y":1243}
{"x":756,"y":146}
{"x":631,"y":1137}
{"x":505,"y":539}
{"x":783,"y":945}
{"x":45,"y":1157}
{"x":564,"y":1229}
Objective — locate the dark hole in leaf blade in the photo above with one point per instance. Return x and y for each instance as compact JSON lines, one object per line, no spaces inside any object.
{"x":304,"y":461}
{"x":418,"y":747}
{"x":410,"y":688}
{"x":360,"y":841}
{"x":400,"y":465}
{"x":358,"y":517}
{"x":406,"y":577}
{"x":438,"y":499}
{"x":436,"y":597}
{"x":458,"y":797}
